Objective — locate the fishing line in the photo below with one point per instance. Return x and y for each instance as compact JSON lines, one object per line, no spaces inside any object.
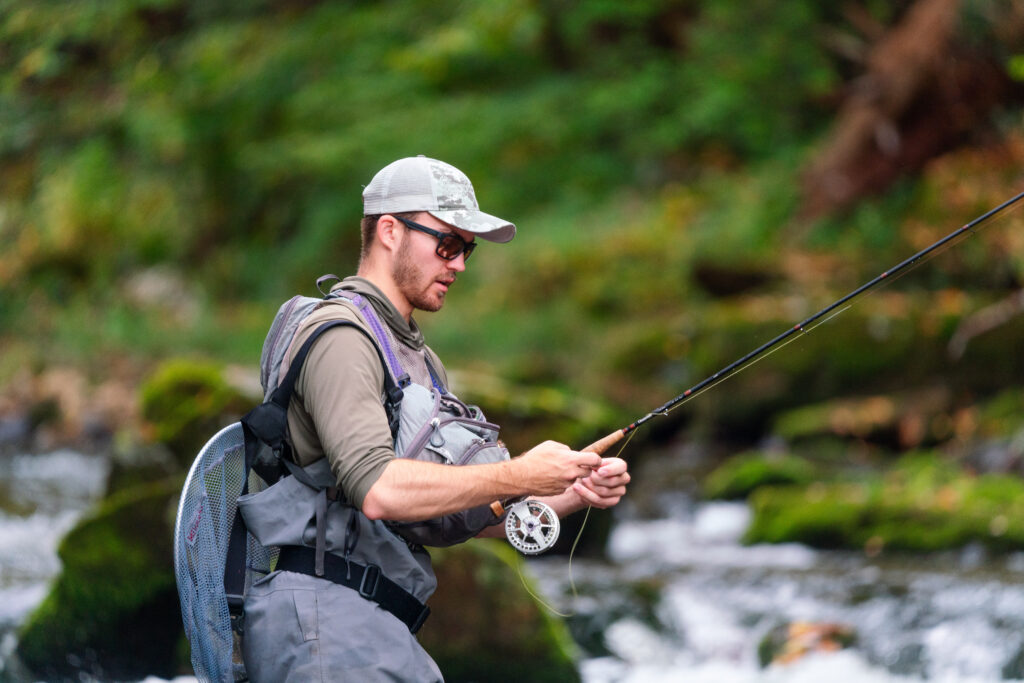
{"x":890,"y":275}
{"x":583,"y":525}
{"x":753,"y":362}
{"x":769,"y":348}
{"x":572,"y":553}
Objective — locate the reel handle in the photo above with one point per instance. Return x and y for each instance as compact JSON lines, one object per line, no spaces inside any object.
{"x":599,"y":447}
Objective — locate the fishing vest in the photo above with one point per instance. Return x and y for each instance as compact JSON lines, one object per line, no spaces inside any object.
{"x":320,"y":533}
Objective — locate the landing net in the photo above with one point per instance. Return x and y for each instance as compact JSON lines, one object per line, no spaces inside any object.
{"x":201,"y":533}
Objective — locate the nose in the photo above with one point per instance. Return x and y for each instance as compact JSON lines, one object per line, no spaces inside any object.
{"x":458,"y":264}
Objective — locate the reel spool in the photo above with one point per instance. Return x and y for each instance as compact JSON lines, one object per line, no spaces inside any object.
{"x":531,"y":527}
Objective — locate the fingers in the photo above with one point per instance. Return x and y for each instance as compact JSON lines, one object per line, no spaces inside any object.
{"x":611,"y":473}
{"x":550,"y":467}
{"x":612,"y":467}
{"x":598,"y":496}
{"x":605,"y":486}
{"x":589,"y":461}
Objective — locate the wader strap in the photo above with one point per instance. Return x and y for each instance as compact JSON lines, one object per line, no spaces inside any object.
{"x":367,"y":580}
{"x":321,"y":531}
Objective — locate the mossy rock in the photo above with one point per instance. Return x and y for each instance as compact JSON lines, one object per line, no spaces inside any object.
{"x":924,"y":504}
{"x":133,"y":464}
{"x":906,"y":419}
{"x":741,"y":475}
{"x":187,"y":402}
{"x":113,"y":612}
{"x":486,"y":626}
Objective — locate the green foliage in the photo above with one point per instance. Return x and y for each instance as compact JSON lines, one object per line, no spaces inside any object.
{"x":743,"y":474}
{"x":229,"y":142}
{"x":228,"y":135}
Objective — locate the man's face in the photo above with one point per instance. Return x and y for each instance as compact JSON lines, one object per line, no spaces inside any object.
{"x":420,"y":274}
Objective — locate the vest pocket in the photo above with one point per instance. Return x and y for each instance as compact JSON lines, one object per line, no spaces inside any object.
{"x":306,"y":613}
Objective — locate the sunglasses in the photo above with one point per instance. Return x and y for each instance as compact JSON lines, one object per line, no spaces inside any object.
{"x":449,"y":244}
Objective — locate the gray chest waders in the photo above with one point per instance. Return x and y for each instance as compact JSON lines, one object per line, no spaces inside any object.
{"x":268,"y":424}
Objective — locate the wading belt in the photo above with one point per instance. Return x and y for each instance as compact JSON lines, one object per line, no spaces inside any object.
{"x":367,"y":580}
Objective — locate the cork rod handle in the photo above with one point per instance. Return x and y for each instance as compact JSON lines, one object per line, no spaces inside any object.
{"x":606,"y":442}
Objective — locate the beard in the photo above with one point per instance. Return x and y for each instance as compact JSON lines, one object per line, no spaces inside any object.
{"x":414,"y":283}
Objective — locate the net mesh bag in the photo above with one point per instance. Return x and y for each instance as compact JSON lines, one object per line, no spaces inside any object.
{"x":206,"y":512}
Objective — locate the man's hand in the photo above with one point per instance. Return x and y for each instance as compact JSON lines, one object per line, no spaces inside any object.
{"x":550,"y":467}
{"x":605,"y":486}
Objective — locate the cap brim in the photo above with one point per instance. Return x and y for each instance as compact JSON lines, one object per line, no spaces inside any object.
{"x":488,"y":227}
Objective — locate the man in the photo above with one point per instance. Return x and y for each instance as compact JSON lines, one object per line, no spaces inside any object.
{"x":314,"y":621}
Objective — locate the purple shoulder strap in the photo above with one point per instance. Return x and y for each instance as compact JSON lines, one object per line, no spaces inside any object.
{"x":377,"y":327}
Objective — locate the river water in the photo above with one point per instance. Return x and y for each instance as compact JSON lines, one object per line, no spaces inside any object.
{"x":681,"y":599}
{"x":41,"y":498}
{"x":678,"y":597}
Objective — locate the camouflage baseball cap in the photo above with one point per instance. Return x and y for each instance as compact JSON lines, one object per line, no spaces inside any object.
{"x":424,"y":184}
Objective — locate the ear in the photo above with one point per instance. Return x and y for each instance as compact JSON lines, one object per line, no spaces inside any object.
{"x":388,"y":232}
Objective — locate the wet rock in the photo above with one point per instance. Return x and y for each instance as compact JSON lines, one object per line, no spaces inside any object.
{"x":1013,"y":670}
{"x":57,"y":407}
{"x":113,"y":612}
{"x":134,"y":463}
{"x":15,"y":431}
{"x":791,"y":642}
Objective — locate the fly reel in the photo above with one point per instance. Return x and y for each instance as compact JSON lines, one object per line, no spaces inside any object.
{"x":531,"y":527}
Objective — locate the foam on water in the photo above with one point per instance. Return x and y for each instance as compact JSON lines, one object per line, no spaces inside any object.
{"x":43,"y":496}
{"x":954,"y":617}
{"x":839,"y":667}
{"x":706,"y":535}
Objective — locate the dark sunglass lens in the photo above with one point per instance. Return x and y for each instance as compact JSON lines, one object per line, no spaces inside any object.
{"x":451,"y":246}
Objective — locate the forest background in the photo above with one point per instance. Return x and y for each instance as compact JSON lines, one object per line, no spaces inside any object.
{"x":689,"y":178}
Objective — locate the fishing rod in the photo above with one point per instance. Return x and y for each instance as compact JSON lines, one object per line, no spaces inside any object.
{"x":532,"y":527}
{"x":603,"y":444}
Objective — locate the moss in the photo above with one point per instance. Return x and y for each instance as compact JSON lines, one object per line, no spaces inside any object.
{"x":739,"y":476}
{"x":486,"y":626}
{"x":791,"y":514}
{"x":113,"y":612}
{"x":186,"y":402}
{"x":923,"y":504}
{"x":1002,"y":415}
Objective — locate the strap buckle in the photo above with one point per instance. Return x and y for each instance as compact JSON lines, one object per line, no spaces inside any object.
{"x":236,"y":613}
{"x":370,"y":582}
{"x":415,"y":626}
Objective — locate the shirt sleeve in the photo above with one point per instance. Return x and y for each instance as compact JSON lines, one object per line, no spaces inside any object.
{"x":340,"y":389}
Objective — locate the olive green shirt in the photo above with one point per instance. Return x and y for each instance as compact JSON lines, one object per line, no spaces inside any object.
{"x":338,"y":410}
